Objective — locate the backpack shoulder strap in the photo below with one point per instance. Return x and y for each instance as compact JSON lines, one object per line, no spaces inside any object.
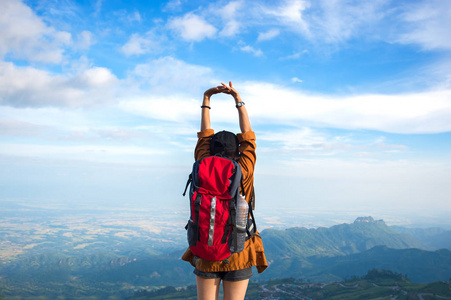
{"x":193,"y":178}
{"x":190,"y":179}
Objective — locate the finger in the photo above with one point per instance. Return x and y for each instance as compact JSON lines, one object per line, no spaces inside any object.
{"x":230,"y":83}
{"x":219,"y":88}
{"x":226,"y":87}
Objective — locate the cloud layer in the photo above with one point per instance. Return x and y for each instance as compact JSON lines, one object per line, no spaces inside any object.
{"x":120,"y":84}
{"x":24,"y":35}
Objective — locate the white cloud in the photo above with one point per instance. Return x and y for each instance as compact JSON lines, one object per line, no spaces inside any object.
{"x":300,"y":141}
{"x":231,"y":28}
{"x":322,"y":21}
{"x":14,"y":128}
{"x":98,"y":7}
{"x":38,"y":119}
{"x":425,"y":112}
{"x":66,"y":130}
{"x":97,"y":153}
{"x":295,"y":79}
{"x":268,"y":35}
{"x":173,"y":5}
{"x":307,"y":141}
{"x":331,"y":22}
{"x":192,"y":27}
{"x":96,"y":77}
{"x":30,"y":87}
{"x":138,"y":44}
{"x":229,"y":14}
{"x":250,"y":49}
{"x":135,"y":17}
{"x":230,"y":10}
{"x":423,"y":22}
{"x":391,"y":183}
{"x":24,"y":35}
{"x":422,"y":112}
{"x":170,"y":75}
{"x":296,"y":55}
{"x":66,"y":127}
{"x":84,"y":40}
{"x":170,"y":108}
{"x":291,"y":13}
{"x":427,"y":23}
{"x":338,"y":21}
{"x":169,"y":90}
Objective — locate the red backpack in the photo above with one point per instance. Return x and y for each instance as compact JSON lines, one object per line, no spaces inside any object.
{"x":219,"y":221}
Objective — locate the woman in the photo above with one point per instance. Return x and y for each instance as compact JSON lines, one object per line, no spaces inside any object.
{"x":235,"y":274}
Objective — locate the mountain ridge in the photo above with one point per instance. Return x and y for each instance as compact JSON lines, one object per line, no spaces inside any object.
{"x":318,"y":255}
{"x":343,"y":239}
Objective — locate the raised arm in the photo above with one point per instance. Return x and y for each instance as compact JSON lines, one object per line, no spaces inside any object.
{"x":245,"y":124}
{"x":205,"y":122}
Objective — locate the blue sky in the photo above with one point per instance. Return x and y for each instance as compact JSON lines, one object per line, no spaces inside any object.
{"x":350,"y":100}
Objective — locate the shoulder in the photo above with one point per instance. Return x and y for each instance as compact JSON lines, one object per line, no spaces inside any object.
{"x":246,"y":136}
{"x":205,"y":133}
{"x":203,"y":144}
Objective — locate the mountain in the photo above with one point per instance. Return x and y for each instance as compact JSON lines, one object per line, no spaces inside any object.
{"x":102,"y":276}
{"x":105,"y":267}
{"x":318,"y":255}
{"x":331,"y":254}
{"x":431,"y":238}
{"x":376,"y":284}
{"x":418,"y":265}
{"x":365,"y":233}
{"x":53,"y":277}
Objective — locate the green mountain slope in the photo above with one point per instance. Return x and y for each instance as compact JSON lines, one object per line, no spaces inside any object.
{"x":432,"y":238}
{"x":376,"y":284}
{"x":318,"y":255}
{"x":363,"y":234}
{"x":418,"y":265}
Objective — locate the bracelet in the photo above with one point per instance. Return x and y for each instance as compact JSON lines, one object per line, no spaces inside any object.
{"x":205,"y":106}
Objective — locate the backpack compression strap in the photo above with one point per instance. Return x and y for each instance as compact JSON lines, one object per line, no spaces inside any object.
{"x":196,"y":217}
{"x":252,"y":229}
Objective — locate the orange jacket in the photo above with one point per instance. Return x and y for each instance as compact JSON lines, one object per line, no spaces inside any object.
{"x":253,"y":253}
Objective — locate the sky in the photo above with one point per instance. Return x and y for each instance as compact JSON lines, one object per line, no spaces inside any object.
{"x":350,"y":101}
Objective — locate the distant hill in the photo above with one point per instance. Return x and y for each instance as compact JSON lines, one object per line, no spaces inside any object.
{"x":365,"y":233}
{"x":102,"y":276}
{"x":330,"y":254}
{"x":317,"y":255}
{"x":376,"y":284}
{"x":418,"y":265}
{"x":431,"y":238}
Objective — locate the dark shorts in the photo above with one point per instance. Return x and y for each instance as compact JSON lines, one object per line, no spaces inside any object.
{"x":237,"y":275}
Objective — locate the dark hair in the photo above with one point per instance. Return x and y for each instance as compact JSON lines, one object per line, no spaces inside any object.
{"x":226,"y":144}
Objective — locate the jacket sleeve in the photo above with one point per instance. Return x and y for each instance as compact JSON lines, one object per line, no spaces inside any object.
{"x":247,"y":159}
{"x":203,"y":144}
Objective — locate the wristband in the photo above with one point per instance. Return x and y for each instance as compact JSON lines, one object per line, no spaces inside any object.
{"x":205,"y":106}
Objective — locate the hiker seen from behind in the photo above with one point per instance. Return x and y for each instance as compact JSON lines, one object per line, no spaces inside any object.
{"x":224,"y":243}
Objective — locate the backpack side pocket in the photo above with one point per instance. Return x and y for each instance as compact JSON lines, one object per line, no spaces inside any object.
{"x":192,"y":231}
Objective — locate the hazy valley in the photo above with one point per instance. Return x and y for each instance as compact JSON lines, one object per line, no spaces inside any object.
{"x":114,"y":253}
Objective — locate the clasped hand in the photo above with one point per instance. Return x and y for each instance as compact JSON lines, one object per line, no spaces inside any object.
{"x":223,"y":88}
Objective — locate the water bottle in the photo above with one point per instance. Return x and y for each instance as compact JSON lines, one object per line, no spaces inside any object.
{"x":242,"y":212}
